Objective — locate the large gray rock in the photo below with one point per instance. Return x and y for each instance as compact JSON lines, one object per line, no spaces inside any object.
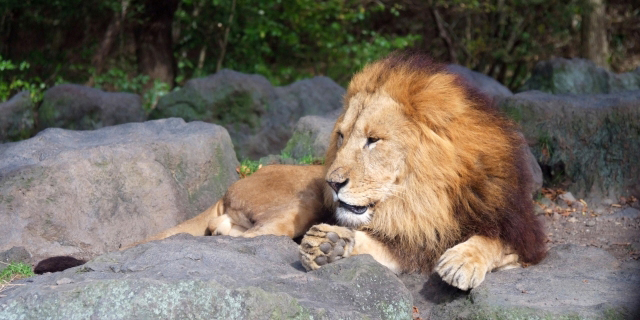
{"x":592,"y":141}
{"x":84,"y":193}
{"x":211,"y":278}
{"x":77,"y":107}
{"x":258,"y":116}
{"x":482,"y":82}
{"x":579,"y":76}
{"x":571,"y":283}
{"x":17,"y":117}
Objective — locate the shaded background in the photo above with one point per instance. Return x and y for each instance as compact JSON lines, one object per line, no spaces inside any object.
{"x":149,"y":47}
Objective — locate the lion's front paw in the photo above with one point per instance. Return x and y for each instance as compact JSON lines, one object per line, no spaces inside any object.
{"x":324,"y":244}
{"x":461,"y":268}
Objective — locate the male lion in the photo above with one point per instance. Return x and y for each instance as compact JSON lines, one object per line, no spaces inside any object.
{"x":422,"y":174}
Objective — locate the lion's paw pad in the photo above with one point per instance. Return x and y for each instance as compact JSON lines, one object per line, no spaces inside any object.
{"x":461,"y":269}
{"x":325,"y":244}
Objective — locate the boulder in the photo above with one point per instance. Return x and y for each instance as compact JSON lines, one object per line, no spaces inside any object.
{"x":573,"y":282}
{"x":187,"y":277}
{"x":17,"y":117}
{"x":588,"y":143}
{"x":482,"y":82}
{"x":579,"y":76}
{"x":83,"y":193}
{"x":258,"y":116}
{"x":73,"y":106}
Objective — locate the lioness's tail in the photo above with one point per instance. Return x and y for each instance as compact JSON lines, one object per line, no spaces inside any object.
{"x":196,"y":226}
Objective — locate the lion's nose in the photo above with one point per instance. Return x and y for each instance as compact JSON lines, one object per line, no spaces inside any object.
{"x":336,"y":186}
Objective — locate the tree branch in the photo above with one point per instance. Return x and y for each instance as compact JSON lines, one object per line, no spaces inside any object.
{"x":223,"y":45}
{"x":443,"y":34}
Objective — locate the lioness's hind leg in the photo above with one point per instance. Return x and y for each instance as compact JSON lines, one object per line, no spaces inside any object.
{"x":225,"y":226}
{"x":196,"y":226}
{"x":465,"y":265}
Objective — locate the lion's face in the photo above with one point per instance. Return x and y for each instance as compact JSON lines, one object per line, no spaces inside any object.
{"x":366,"y":161}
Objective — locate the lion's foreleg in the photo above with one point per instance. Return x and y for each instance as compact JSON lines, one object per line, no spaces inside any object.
{"x":196,"y":226}
{"x":365,"y":244}
{"x":466,"y":264}
{"x":326,"y":243}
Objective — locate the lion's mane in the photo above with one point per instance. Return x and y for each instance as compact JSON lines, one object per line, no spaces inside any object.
{"x":468,"y":175}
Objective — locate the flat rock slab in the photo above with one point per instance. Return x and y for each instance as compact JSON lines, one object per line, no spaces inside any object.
{"x":84,"y":193}
{"x":573,"y":282}
{"x":186,"y":277}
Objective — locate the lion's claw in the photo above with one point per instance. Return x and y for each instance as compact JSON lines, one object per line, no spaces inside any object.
{"x":324,"y":244}
{"x":461,"y":269}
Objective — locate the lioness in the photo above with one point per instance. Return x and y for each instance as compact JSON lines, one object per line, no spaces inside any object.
{"x":421,"y":173}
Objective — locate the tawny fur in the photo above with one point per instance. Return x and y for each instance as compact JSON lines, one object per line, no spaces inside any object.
{"x":279,"y":199}
{"x":440,"y":173}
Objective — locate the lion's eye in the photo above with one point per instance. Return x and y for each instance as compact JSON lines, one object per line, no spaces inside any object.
{"x":372,"y":140}
{"x":340,"y":137}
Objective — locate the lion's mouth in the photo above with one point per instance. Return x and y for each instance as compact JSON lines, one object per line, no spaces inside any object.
{"x":353,"y":209}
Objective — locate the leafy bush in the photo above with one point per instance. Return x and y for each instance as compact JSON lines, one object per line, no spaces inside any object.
{"x":248,"y":167}
{"x":283,"y":40}
{"x":116,"y":79}
{"x":11,"y":80}
{"x":309,"y":159}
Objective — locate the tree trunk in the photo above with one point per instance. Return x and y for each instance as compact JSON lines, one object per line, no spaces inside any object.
{"x":154,"y":45}
{"x":442,"y":31}
{"x":110,"y":36}
{"x":594,"y":33}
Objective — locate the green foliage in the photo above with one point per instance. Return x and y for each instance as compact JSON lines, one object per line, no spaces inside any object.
{"x":11,"y":82}
{"x":310,"y":159}
{"x":150,"y":97}
{"x":15,"y":270}
{"x":287,"y":40}
{"x":283,"y":40}
{"x":116,"y":79}
{"x":248,"y":167}
{"x":284,"y":154}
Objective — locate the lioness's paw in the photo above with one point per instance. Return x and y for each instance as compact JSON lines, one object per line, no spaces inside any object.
{"x":324,"y":244}
{"x":461,"y":268}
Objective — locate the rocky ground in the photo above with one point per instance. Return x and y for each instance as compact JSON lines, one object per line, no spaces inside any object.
{"x":595,"y":247}
{"x":614,"y":227}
